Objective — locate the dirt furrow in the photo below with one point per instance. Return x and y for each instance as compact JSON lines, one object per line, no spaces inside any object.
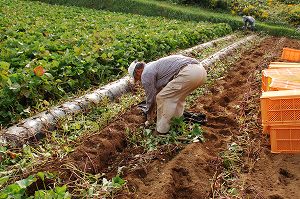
{"x":190,"y":173}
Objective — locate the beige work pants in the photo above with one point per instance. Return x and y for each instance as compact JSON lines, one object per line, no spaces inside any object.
{"x":171,"y":99}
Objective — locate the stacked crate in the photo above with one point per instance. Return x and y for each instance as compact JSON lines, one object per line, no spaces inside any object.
{"x":280,"y":104}
{"x":290,"y":54}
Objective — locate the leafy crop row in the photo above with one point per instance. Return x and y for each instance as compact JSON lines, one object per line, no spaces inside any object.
{"x":188,"y":13}
{"x":78,"y":48}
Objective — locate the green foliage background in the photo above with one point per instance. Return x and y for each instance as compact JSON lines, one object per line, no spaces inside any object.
{"x":79,"y":48}
{"x":275,"y":11}
{"x":188,"y":13}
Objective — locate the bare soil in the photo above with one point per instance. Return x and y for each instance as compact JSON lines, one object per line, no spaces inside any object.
{"x":181,"y":171}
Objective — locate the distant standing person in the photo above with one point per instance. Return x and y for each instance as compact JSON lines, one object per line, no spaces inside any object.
{"x":167,"y":82}
{"x":249,"y":22}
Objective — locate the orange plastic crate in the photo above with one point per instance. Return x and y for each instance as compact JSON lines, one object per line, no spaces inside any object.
{"x":281,"y":62}
{"x":290,"y":54}
{"x":280,"y":108}
{"x":285,"y":78}
{"x":285,"y":139}
{"x":265,"y":82}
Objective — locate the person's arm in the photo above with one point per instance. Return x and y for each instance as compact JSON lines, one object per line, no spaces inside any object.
{"x":149,"y":84}
{"x":253,"y":21}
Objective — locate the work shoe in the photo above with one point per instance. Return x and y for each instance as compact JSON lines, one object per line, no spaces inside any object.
{"x":158,"y":134}
{"x":142,"y":106}
{"x":194,"y":117}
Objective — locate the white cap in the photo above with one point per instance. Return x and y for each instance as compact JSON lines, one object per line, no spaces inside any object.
{"x":131,"y":68}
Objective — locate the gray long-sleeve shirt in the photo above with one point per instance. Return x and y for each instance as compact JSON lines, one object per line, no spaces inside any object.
{"x":159,"y":73}
{"x":249,"y":20}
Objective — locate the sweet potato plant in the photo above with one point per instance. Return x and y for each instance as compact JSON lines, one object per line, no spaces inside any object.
{"x":77,"y":48}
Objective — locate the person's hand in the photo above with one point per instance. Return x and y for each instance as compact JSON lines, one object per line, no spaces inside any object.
{"x":147,"y":123}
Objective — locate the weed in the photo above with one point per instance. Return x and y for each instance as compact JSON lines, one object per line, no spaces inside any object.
{"x":230,"y":166}
{"x":180,"y":131}
{"x":231,"y":157}
{"x":20,"y":188}
{"x":111,"y":187}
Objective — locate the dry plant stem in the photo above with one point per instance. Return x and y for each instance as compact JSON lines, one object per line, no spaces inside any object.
{"x":91,"y":162}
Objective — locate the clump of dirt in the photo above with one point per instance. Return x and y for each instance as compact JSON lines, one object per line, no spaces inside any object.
{"x":185,"y":176}
{"x":95,"y":152}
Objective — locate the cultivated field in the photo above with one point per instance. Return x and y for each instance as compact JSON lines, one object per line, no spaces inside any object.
{"x":106,"y":151}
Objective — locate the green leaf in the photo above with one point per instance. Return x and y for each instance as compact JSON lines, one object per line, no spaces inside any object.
{"x":14,"y":86}
{"x":45,"y":194}
{"x":196,"y":130}
{"x":76,"y":125}
{"x":9,"y":82}
{"x":3,"y":180}
{"x":26,"y":182}
{"x":118,"y":181}
{"x":4,"y":66}
{"x":61,"y":190}
{"x":3,"y":149}
{"x":104,"y":56}
{"x":41,"y":175}
{"x":148,"y":132}
{"x":60,"y":89}
{"x":233,"y":191}
{"x":77,"y":50}
{"x":3,"y":195}
{"x":49,"y":75}
{"x":14,"y":189}
{"x":91,"y":191}
{"x":49,"y":175}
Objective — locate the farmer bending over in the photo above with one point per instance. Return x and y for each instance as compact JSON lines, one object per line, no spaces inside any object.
{"x":167,"y":82}
{"x":249,"y":22}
